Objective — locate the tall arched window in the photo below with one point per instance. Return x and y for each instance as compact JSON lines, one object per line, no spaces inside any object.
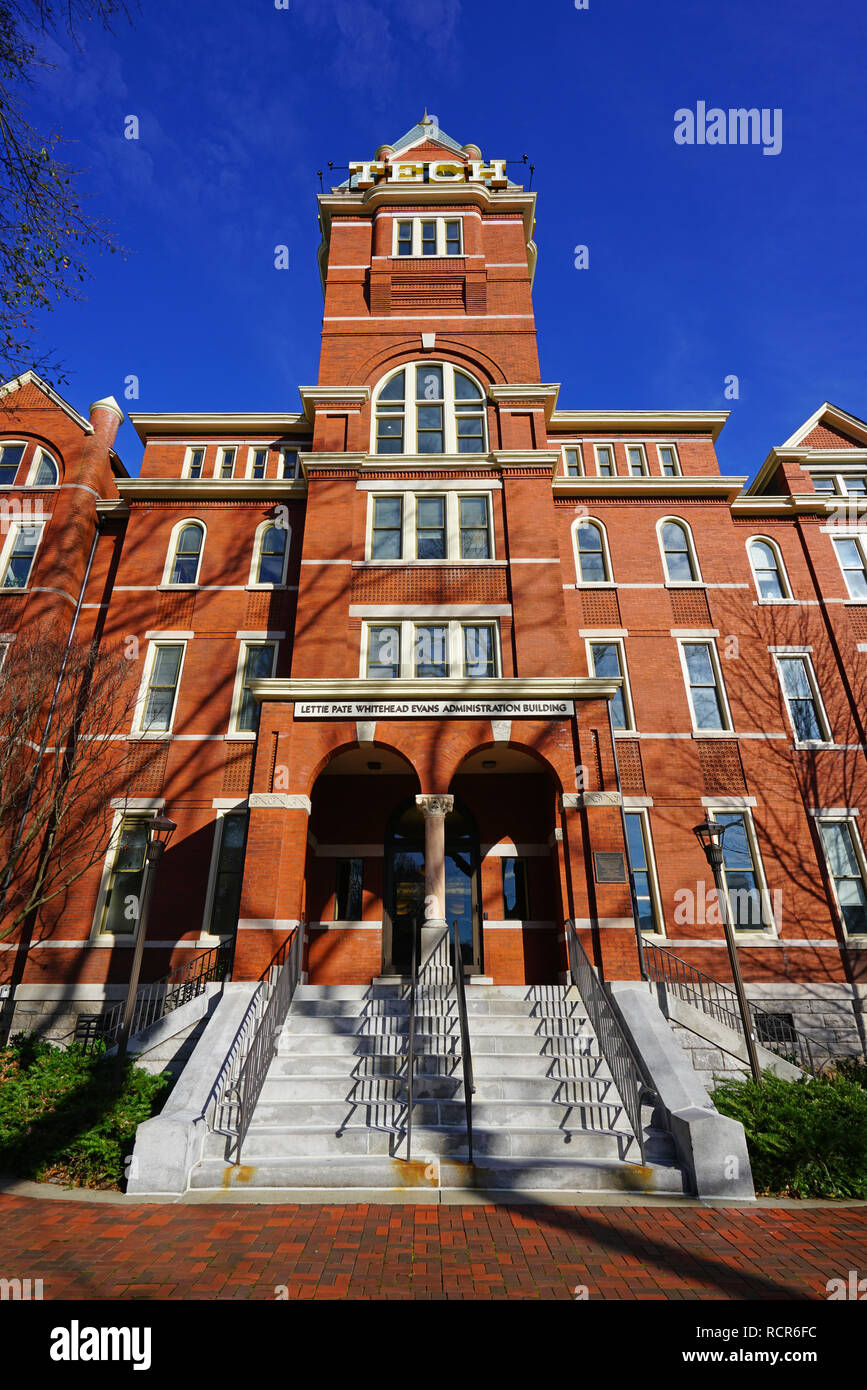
{"x":769,"y":570}
{"x":429,"y":408}
{"x":187,"y":554}
{"x":591,"y":552}
{"x":270,"y":554}
{"x":44,"y":471}
{"x":678,"y":554}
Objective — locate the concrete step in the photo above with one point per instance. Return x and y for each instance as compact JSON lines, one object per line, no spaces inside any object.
{"x":480,"y":1025}
{"x":438,"y":1112}
{"x":351,"y":1066}
{"x":444,"y":1044}
{"x":425,"y":1181}
{"x":354,"y":1089}
{"x":447,"y":1007}
{"x":531,"y":993}
{"x":383,"y":1132}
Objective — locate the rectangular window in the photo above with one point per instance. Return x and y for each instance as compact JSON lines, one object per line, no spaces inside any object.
{"x":606,"y":659}
{"x":605,"y":461}
{"x":474,"y":529}
{"x":289,"y":463}
{"x":432,"y":650}
{"x":348,"y":890}
{"x":232,"y":830}
{"x":259,"y":463}
{"x":637,"y":460}
{"x":258,"y":665}
{"x":227,"y":462}
{"x":845,"y":859}
{"x":404,"y":238}
{"x":196,"y":463}
{"x":824,"y":484}
{"x":669,"y":461}
{"x":120,"y":914}
{"x":856,"y":487}
{"x":802,"y":699}
{"x":740,"y":872}
{"x":704,"y":686}
{"x":383,"y":652}
{"x":572,"y":460}
{"x":639,"y":860}
{"x":10,"y":459}
{"x":851,"y":558}
{"x":387,"y":528}
{"x":24,"y":543}
{"x":428,"y":238}
{"x":162,"y":689}
{"x":430,"y":528}
{"x":479,"y":650}
{"x":453,"y":238}
{"x":516,"y":902}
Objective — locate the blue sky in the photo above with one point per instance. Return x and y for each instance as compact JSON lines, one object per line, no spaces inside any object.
{"x":704,"y":261}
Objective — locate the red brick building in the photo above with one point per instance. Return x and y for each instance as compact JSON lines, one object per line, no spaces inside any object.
{"x":436,"y":607}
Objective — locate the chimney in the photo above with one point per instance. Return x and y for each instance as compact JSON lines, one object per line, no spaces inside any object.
{"x":106,"y":417}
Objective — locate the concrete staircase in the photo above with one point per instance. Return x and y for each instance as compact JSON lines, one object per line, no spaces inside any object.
{"x":331,"y":1119}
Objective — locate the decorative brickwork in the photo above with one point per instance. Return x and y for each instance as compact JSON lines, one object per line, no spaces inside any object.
{"x":631,"y":769}
{"x":689,"y":608}
{"x":825,"y":437}
{"x":176,"y":610}
{"x":143,"y":769}
{"x":858,"y":621}
{"x":237,"y":771}
{"x":600,"y":609}
{"x":258,"y":610}
{"x":430,"y":584}
{"x":721,"y":766}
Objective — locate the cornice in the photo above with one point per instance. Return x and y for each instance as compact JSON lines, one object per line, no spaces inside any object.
{"x":355,"y":689}
{"x":724,"y":487}
{"x":799,"y":504}
{"x":311,"y":396}
{"x":524,"y":392}
{"x":363,"y":202}
{"x":151,"y":426}
{"x":211,"y":489}
{"x":683,"y":421}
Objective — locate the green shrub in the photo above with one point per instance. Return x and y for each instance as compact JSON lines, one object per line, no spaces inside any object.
{"x":806,"y":1138}
{"x":64,"y":1118}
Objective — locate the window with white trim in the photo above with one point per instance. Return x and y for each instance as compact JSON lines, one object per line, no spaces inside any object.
{"x":270,"y":555}
{"x":678,"y":552}
{"x":194,"y":462}
{"x":256,"y":662}
{"x":430,"y":526}
{"x":592,"y":562}
{"x":742,"y":873}
{"x":844,"y":856}
{"x":704,"y":686}
{"x":668,"y":460}
{"x":231,"y":834}
{"x":428,"y":236}
{"x":257,"y":464}
{"x":430,"y":649}
{"x":187,"y":553}
{"x":573,"y":463}
{"x":641,"y":863}
{"x":429,"y":408}
{"x":288,"y":463}
{"x":10,"y":460}
{"x":605,"y":464}
{"x":43,"y":471}
{"x":159,"y":697}
{"x":605,"y":658}
{"x":803,"y":702}
{"x":769,"y":571}
{"x":637,"y":460}
{"x":851,"y":557}
{"x":122,"y":891}
{"x":226,"y":462}
{"x":19,"y":553}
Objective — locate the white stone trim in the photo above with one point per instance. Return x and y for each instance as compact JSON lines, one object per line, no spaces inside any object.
{"x":288,"y":801}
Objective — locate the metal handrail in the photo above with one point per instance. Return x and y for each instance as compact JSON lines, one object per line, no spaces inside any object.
{"x":154,"y":1000}
{"x":719,"y":1002}
{"x":629,"y":1079}
{"x":410,"y":1053}
{"x":466,"y":1054}
{"x":262,"y":1047}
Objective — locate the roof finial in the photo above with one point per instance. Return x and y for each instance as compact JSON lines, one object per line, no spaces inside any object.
{"x":426,"y":120}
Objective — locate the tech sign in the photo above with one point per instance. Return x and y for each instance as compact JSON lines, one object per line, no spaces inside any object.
{"x":373,"y":171}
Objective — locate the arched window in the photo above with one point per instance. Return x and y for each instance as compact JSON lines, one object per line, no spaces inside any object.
{"x":11,"y":454}
{"x":44,"y":471}
{"x":429,"y":408}
{"x":187,"y":553}
{"x":678,"y":554}
{"x":270,"y":554}
{"x":591,"y":552}
{"x":768,"y":569}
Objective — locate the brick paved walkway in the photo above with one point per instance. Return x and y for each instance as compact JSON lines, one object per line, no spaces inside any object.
{"x":85,"y":1251}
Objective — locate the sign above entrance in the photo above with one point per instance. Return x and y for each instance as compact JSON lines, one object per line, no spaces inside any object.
{"x":438,"y":709}
{"x":373,"y":171}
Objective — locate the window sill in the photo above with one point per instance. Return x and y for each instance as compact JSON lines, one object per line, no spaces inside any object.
{"x":422,"y":564}
{"x":714,"y":733}
{"x":149,"y":736}
{"x":589,"y":584}
{"x":12,"y":590}
{"x":685,"y":584}
{"x":812,"y":745}
{"x":240,"y":736}
{"x":777,"y":602}
{"x":264,"y":588}
{"x":178,"y":588}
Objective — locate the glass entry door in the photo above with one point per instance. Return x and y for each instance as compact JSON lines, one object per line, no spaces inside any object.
{"x":407,"y":906}
{"x":404,"y":887}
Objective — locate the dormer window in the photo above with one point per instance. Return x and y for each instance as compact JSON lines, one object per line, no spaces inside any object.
{"x":428,"y":236}
{"x":429,"y":408}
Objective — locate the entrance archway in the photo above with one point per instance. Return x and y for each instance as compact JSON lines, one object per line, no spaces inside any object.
{"x":404,"y":886}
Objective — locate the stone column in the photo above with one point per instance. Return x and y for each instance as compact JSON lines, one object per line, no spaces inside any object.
{"x":435,"y":927}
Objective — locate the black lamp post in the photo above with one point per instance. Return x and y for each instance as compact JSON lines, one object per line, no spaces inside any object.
{"x":160,"y":831}
{"x":710,"y":836}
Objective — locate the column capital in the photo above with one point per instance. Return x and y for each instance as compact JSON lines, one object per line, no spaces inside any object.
{"x":435,"y":804}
